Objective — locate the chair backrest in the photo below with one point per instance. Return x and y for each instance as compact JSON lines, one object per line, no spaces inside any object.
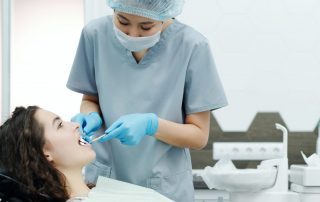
{"x":13,"y":191}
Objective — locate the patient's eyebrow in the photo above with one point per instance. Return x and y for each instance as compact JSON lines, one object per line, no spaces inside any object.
{"x":57,"y":118}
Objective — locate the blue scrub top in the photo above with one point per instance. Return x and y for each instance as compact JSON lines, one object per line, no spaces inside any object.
{"x":176,"y":77}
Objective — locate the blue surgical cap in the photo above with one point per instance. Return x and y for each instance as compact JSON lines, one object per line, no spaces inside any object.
{"x":154,"y":9}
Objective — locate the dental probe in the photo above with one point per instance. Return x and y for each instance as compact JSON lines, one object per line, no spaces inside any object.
{"x":98,"y":138}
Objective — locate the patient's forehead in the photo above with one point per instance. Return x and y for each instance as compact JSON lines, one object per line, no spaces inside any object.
{"x":45,"y":117}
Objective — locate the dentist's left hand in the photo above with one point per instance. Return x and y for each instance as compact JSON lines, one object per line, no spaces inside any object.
{"x":131,"y":128}
{"x":89,"y":123}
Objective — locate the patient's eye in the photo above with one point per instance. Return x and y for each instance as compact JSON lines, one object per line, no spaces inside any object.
{"x":60,"y":125}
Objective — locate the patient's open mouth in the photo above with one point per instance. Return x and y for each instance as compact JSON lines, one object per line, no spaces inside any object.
{"x":82,"y":142}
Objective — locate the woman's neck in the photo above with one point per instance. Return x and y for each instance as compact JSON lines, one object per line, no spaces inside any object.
{"x":139,"y":55}
{"x":75,"y":184}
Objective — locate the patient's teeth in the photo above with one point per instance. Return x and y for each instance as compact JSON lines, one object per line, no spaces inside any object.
{"x":82,"y":142}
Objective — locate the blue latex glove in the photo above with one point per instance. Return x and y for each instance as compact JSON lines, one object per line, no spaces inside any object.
{"x":89,"y":123}
{"x":131,"y":128}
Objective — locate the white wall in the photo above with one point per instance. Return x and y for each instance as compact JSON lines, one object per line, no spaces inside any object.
{"x":267,"y":53}
{"x":1,"y":61}
{"x":268,"y":56}
{"x":45,"y":36}
{"x":4,"y":57}
{"x":95,"y":9}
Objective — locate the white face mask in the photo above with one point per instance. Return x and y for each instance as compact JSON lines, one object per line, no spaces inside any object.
{"x":136,"y":44}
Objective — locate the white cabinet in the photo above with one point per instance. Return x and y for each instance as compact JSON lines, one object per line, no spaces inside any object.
{"x":206,"y":195}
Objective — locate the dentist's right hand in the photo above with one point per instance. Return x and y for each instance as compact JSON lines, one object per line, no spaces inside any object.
{"x":131,"y":128}
{"x":89,"y":123}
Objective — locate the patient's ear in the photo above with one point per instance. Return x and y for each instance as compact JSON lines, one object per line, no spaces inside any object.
{"x":48,"y":155}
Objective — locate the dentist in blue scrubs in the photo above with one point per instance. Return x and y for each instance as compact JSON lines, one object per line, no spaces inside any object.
{"x":150,"y":81}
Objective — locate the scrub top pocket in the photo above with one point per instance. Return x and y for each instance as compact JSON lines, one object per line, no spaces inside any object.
{"x":94,"y":170}
{"x":164,"y":185}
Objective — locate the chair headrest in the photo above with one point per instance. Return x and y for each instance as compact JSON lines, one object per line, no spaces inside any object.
{"x":10,"y":188}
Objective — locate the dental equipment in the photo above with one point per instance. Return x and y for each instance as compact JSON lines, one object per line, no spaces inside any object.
{"x":86,"y":140}
{"x":276,"y":191}
{"x":98,"y":138}
{"x":305,"y":179}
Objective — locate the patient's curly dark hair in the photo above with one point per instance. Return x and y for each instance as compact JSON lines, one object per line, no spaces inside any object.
{"x":21,"y":156}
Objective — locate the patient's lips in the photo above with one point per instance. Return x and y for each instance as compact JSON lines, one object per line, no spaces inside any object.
{"x":82,"y":142}
{"x":82,"y":139}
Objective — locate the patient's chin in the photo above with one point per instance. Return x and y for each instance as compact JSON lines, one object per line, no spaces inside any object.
{"x":90,"y":157}
{"x":93,"y":156}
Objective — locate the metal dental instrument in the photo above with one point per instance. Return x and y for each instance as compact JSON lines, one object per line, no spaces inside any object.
{"x":98,"y":138}
{"x":102,"y":135}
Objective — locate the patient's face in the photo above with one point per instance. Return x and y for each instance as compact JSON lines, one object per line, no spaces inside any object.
{"x":62,"y":146}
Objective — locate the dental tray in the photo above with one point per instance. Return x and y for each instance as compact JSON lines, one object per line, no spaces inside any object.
{"x":305,"y":175}
{"x":244,"y":180}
